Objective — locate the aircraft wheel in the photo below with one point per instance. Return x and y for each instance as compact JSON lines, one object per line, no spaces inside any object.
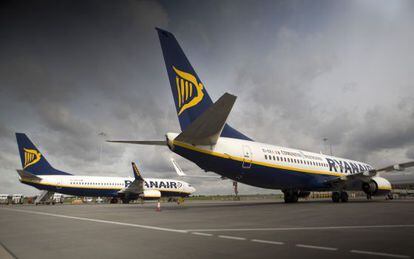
{"x":291,"y":196}
{"x":336,"y":197}
{"x":344,"y":196}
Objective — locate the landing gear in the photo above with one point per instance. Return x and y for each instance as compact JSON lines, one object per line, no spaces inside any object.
{"x":369,"y":196}
{"x":125,"y":201}
{"x":291,"y":196}
{"x":340,"y":196}
{"x":114,"y":200}
{"x":344,"y":196}
{"x":336,"y":197}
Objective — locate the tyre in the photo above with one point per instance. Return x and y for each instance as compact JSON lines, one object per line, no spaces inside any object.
{"x":344,"y":196}
{"x":336,"y":197}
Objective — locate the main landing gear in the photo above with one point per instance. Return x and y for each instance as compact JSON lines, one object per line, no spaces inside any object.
{"x":291,"y":196}
{"x":340,"y":196}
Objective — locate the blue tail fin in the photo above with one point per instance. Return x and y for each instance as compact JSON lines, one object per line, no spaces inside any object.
{"x":32,"y":160}
{"x":190,"y":95}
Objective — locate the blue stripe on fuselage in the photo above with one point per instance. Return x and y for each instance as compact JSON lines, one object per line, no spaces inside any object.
{"x":76,"y":191}
{"x":256,"y":175}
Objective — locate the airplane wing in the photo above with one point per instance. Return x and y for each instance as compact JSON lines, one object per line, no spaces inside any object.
{"x":181,"y":173}
{"x":396,"y":167}
{"x":137,"y":186}
{"x":206,"y":129}
{"x":365,"y":176}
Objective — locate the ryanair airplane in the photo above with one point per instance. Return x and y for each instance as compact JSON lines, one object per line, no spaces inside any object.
{"x":37,"y":172}
{"x":207,"y":140}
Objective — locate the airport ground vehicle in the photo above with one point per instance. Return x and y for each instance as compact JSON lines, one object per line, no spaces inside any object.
{"x":5,"y":199}
{"x":17,"y":199}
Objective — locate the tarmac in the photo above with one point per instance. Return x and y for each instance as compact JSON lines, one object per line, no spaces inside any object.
{"x":231,"y":229}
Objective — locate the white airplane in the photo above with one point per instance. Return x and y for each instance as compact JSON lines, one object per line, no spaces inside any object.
{"x":37,"y":172}
{"x":208,"y":141}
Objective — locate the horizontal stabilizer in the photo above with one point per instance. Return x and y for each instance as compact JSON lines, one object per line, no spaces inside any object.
{"x":206,"y":129}
{"x":142,"y":142}
{"x":28,"y":176}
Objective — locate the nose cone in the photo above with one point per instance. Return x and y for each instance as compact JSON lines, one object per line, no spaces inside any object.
{"x":192,"y":189}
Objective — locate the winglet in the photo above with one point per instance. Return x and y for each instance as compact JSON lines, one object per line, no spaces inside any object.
{"x":177,"y":168}
{"x":137,"y":174}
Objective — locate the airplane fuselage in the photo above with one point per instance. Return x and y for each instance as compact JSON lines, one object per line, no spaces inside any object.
{"x":272,"y":167}
{"x":102,"y":186}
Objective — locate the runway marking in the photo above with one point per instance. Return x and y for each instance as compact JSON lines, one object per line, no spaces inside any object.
{"x":301,"y":228}
{"x":317,"y":247}
{"x":267,"y":242}
{"x":379,"y":254}
{"x":100,"y":221}
{"x":202,"y":234}
{"x":232,"y":237}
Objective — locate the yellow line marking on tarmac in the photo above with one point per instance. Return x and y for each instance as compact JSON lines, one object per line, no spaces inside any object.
{"x":317,"y":247}
{"x":379,"y":254}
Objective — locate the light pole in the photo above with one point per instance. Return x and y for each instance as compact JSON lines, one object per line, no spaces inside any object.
{"x":325,"y":140}
{"x":102,"y":134}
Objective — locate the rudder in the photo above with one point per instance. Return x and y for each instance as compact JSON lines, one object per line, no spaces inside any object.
{"x":32,"y":159}
{"x":190,"y":95}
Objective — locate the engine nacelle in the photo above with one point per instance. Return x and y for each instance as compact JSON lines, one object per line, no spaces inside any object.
{"x":151,"y":194}
{"x":377,"y":186}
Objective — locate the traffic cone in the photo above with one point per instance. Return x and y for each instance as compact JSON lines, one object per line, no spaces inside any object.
{"x":158,"y":206}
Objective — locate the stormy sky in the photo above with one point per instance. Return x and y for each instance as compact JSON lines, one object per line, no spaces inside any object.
{"x":302,"y":71}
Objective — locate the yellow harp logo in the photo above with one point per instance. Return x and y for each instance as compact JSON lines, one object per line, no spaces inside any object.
{"x":189,"y":91}
{"x":31,"y":157}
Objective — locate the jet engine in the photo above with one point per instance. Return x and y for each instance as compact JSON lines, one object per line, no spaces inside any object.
{"x":151,"y":195}
{"x":377,"y":186}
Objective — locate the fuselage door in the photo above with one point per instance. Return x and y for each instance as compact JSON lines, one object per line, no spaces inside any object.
{"x":247,"y":157}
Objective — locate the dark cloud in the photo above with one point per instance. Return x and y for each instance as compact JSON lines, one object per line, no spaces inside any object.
{"x":302,"y":71}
